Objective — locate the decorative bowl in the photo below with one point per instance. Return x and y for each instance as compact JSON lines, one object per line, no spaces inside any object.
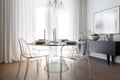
{"x":94,"y":37}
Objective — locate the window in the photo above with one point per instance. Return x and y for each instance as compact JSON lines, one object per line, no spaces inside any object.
{"x":40,"y":23}
{"x":48,"y":20}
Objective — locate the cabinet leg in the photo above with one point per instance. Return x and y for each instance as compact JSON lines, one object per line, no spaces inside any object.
{"x":108,"y":59}
{"x":113,"y":59}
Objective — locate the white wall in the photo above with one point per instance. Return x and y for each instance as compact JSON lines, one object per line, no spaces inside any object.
{"x":99,"y":5}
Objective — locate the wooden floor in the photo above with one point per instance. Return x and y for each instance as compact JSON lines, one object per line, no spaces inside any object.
{"x":100,"y":71}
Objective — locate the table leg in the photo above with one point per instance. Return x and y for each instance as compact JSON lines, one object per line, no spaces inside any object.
{"x":61,"y":62}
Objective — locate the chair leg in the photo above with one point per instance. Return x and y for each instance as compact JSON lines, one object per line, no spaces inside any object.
{"x":60,"y":67}
{"x":37,"y":65}
{"x":89,"y":67}
{"x":47,"y":63}
{"x":27,"y":67}
{"x":74,"y":67}
{"x":19,"y":66}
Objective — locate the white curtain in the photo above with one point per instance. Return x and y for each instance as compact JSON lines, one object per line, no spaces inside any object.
{"x":20,"y":18}
{"x":8,"y":31}
{"x":2,"y":30}
{"x":69,"y":19}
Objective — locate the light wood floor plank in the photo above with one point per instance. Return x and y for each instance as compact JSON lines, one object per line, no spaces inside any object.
{"x":100,"y":71}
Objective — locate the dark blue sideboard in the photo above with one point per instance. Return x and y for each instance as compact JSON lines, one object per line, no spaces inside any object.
{"x":110,"y":48}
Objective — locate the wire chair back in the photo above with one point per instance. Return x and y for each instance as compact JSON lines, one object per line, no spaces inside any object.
{"x":24,"y":48}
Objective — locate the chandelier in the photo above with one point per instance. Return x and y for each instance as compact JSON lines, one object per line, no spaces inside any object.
{"x":55,"y":4}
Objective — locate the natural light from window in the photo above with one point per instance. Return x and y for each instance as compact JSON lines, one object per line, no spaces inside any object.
{"x":40,"y":22}
{"x":63,"y":27}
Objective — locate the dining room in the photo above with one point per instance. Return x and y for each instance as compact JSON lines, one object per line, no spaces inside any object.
{"x":49,"y":40}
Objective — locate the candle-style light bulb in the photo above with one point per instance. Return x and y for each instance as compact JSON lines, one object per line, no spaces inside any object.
{"x":44,"y":34}
{"x":54,"y":35}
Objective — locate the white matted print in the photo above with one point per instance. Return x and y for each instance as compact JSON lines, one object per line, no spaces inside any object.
{"x":107,"y":21}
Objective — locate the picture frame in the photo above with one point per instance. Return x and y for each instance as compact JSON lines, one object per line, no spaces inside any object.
{"x":107,"y":21}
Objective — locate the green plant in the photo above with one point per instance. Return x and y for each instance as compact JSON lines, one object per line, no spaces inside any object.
{"x":95,"y":34}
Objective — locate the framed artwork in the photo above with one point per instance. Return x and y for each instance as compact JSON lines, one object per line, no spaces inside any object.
{"x":107,"y":21}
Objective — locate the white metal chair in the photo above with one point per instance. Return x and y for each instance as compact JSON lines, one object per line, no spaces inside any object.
{"x":27,"y":54}
{"x":80,"y":54}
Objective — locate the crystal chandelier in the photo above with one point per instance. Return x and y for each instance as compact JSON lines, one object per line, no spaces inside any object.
{"x":55,"y":4}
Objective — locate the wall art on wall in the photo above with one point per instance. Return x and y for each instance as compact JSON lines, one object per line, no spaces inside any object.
{"x":107,"y":21}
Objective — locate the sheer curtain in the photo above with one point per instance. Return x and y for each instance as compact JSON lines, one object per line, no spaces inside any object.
{"x":18,"y":21}
{"x":28,"y":18}
{"x":68,"y":20}
{"x":8,"y":31}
